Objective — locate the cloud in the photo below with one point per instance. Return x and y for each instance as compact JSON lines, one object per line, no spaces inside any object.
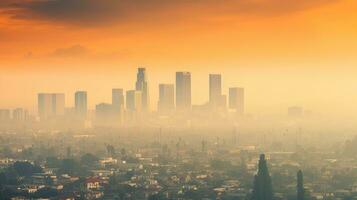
{"x":81,"y":52}
{"x":72,"y":51}
{"x":98,"y":12}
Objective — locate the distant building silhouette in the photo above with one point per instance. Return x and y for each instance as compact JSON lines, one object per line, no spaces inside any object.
{"x":142,"y":85}
{"x":58,"y":104}
{"x":166,"y":98}
{"x":295,"y":111}
{"x":183,"y":91}
{"x":215,"y":90}
{"x":80,"y":104}
{"x":118,"y":99}
{"x":236,"y":99}
{"x":133,"y":100}
{"x":51,"y":105}
{"x":118,"y":104}
{"x":20,"y":114}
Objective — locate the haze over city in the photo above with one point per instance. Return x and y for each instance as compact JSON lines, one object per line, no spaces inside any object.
{"x":178,"y":99}
{"x":296,"y":53}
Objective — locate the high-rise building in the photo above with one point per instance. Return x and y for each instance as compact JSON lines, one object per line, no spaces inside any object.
{"x":118,"y":105}
{"x":80,"y":99}
{"x":215,"y":90}
{"x":166,"y":98}
{"x":183,"y":90}
{"x":51,"y":105}
{"x":133,"y":100}
{"x":118,"y":99}
{"x":44,"y":105}
{"x":236,"y":99}
{"x":142,"y":85}
{"x":295,"y":111}
{"x":58,"y":104}
{"x":19,"y":114}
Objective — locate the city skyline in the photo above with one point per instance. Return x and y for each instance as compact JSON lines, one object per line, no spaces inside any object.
{"x":285,"y":53}
{"x":170,"y":96}
{"x":134,"y":100}
{"x":295,"y":91}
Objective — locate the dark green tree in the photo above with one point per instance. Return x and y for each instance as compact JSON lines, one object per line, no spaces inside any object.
{"x":89,"y":159}
{"x":262,"y":187}
{"x":26,"y":168}
{"x":300,"y":186}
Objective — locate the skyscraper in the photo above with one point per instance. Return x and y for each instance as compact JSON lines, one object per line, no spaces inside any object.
{"x":118,"y":105}
{"x":80,"y":99}
{"x":142,"y":85}
{"x":19,"y":114}
{"x":183,"y":90}
{"x":215,"y":90}
{"x":51,"y":105}
{"x":44,"y":105}
{"x":118,"y":99}
{"x":58,"y":104}
{"x":236,"y":99}
{"x":295,"y":111}
{"x":166,"y":98}
{"x":133,"y":100}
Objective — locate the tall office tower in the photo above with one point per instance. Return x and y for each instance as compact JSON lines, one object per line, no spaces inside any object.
{"x":236,"y":99}
{"x":215,"y":90}
{"x":118,"y":105}
{"x":142,"y":85}
{"x":50,"y":105}
{"x":45,"y":106}
{"x":133,"y":100}
{"x":183,"y":90}
{"x":80,"y":104}
{"x":295,"y":111}
{"x":166,"y":98}
{"x":19,"y":114}
{"x":4,"y":115}
{"x":58,"y":104}
{"x":118,"y":99}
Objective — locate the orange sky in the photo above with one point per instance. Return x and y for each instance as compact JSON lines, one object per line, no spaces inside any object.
{"x":285,"y":51}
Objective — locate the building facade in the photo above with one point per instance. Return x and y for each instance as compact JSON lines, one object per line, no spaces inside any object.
{"x":80,"y":104}
{"x":166,"y":98}
{"x":236,"y":99}
{"x":183,"y":91}
{"x":142,"y":85}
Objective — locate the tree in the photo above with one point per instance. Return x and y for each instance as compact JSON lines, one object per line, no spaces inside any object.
{"x":26,"y":168}
{"x":53,"y":162}
{"x":262,"y":187}
{"x":45,"y":192}
{"x":69,"y":166}
{"x":89,"y":159}
{"x":300,"y":186}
